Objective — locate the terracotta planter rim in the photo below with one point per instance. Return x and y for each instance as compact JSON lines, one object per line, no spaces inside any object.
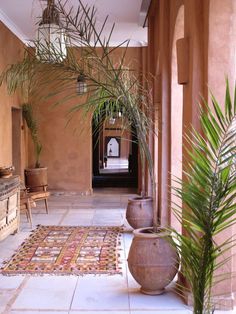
{"x":33,"y":168}
{"x":140,"y":199}
{"x":142,"y":233}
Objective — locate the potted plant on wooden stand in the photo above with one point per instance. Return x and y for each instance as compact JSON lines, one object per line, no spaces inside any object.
{"x":208,"y":193}
{"x":36,"y":177}
{"x":113,"y":84}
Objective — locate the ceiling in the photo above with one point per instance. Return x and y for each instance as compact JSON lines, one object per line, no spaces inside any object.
{"x":21,"y":16}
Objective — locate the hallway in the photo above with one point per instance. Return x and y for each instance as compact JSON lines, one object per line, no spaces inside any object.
{"x":115,"y":294}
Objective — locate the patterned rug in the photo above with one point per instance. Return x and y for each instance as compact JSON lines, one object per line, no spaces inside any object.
{"x":67,"y":251}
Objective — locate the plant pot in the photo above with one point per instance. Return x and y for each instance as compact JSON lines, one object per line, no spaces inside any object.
{"x":139,"y":213}
{"x":36,"y":178}
{"x":153,"y":260}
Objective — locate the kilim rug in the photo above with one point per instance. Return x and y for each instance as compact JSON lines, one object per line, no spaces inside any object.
{"x":67,"y":251}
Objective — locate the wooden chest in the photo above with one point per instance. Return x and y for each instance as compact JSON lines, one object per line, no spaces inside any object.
{"x":9,"y":205}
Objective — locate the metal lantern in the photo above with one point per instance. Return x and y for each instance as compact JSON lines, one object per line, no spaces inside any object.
{"x":81,"y":84}
{"x":51,"y":43}
{"x":112,"y":120}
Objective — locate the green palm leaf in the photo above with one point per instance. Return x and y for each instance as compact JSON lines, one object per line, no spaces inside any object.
{"x":207,"y":192}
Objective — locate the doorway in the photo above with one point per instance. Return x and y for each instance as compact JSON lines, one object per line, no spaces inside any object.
{"x":115,"y":156}
{"x":112,"y":146}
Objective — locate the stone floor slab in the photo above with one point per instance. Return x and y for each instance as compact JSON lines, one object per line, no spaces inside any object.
{"x":38,"y":312}
{"x":99,"y":312}
{"x":166,"y":301}
{"x":183,"y":311}
{"x":101,"y":293}
{"x":9,"y":283}
{"x":5,"y":299}
{"x":46,"y":293}
{"x":77,"y":219}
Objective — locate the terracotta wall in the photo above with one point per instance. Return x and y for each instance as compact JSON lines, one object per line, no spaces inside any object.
{"x":222,"y":63}
{"x":67,"y":152}
{"x":162,"y":51}
{"x":208,"y":33}
{"x":12,"y":50}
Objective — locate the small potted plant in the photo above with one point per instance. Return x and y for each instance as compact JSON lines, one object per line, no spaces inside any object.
{"x":36,"y":177}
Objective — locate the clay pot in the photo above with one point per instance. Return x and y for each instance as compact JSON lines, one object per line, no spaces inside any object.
{"x":36,"y":178}
{"x":153,"y":260}
{"x":139,"y":213}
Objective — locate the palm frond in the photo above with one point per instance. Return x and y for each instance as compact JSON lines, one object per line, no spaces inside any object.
{"x":208,"y":192}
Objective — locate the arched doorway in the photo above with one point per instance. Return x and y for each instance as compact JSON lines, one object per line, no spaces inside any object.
{"x":115,"y":154}
{"x":176,"y":116}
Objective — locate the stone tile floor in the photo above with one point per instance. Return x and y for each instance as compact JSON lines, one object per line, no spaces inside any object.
{"x":118,"y":294}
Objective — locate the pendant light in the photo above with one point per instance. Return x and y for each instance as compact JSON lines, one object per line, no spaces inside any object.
{"x":51,"y":43}
{"x":112,"y":120}
{"x":81,"y":84}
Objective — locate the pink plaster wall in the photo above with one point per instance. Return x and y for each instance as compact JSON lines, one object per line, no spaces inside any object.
{"x":11,"y":51}
{"x":209,"y":28}
{"x":222,"y":63}
{"x":66,"y":150}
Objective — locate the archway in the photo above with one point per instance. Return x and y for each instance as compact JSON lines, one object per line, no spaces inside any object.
{"x":176,"y":116}
{"x":115,"y":155}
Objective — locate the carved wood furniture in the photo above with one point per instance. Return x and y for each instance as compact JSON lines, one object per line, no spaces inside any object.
{"x":36,"y":183}
{"x":26,"y":203}
{"x":9,"y":205}
{"x":40,"y":194}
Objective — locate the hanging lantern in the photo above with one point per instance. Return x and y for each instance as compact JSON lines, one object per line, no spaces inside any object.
{"x":112,"y":120}
{"x":51,"y":43}
{"x":81,"y":84}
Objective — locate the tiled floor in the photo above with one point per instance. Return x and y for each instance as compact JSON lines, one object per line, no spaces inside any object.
{"x":118,"y":294}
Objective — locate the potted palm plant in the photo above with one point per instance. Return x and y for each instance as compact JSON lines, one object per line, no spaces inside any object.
{"x":36,"y":176}
{"x":139,"y":212}
{"x":208,"y":193}
{"x":112,"y":83}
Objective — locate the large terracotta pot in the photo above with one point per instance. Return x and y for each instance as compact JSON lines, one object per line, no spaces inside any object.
{"x":153,"y":260}
{"x":36,"y":178}
{"x":139,"y":213}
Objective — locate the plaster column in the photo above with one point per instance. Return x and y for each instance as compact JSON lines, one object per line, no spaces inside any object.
{"x":194,"y":28}
{"x":151,"y":68}
{"x":164,"y":116}
{"x":177,"y":112}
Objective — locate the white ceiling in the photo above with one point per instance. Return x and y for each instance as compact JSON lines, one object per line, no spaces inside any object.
{"x":21,"y":17}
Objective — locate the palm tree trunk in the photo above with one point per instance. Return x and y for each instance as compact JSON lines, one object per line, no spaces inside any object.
{"x":199,"y":293}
